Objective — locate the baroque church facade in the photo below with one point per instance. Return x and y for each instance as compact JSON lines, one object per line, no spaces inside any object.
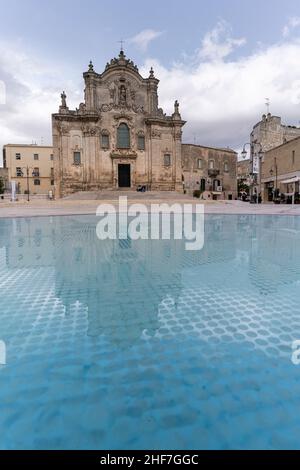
{"x":119,"y":137}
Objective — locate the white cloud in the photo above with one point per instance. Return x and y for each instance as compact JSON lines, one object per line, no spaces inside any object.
{"x":143,"y":39}
{"x":220,"y":97}
{"x":31,"y":92}
{"x":218,"y":43}
{"x":222,"y":100}
{"x":2,"y":92}
{"x":292,"y":24}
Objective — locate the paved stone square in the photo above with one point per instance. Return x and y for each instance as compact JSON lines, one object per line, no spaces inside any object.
{"x":87,"y":203}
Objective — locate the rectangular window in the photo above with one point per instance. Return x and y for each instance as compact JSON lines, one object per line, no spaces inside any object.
{"x":37,"y":182}
{"x":18,"y":156}
{"x":36,"y":156}
{"x":36,"y":172}
{"x":105,"y":141}
{"x":52,"y":182}
{"x":51,"y":157}
{"x":77,"y":158}
{"x":141,"y":142}
{"x":200,"y":165}
{"x":19,"y":172}
{"x":293,"y":157}
{"x":167,"y":159}
{"x":52,"y":172}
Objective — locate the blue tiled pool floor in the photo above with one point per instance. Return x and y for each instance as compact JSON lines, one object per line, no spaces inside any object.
{"x":128,"y":345}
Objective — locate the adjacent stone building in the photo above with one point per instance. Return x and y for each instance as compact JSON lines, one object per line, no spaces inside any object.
{"x":266,"y":135}
{"x":119,"y":137}
{"x":270,"y":132}
{"x":281,"y":172}
{"x":210,"y":170}
{"x":37,"y":160}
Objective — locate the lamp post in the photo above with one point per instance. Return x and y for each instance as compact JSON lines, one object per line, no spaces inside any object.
{"x":276,"y":177}
{"x":260,"y":155}
{"x":34,"y":173}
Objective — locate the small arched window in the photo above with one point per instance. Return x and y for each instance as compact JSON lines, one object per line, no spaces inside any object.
{"x":105,"y":140}
{"x":200,"y":164}
{"x":226,"y":168}
{"x":123,"y":137}
{"x":141,"y":141}
{"x":211,"y":165}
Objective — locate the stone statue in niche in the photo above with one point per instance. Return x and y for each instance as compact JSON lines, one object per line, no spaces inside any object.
{"x":123,"y":95}
{"x":113,"y":93}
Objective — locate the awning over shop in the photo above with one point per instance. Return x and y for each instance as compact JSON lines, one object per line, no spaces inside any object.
{"x":291,"y":180}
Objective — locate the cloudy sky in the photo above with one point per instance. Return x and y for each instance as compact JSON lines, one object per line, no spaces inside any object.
{"x":220,"y":58}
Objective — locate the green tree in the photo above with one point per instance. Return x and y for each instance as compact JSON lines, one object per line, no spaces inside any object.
{"x":1,"y":186}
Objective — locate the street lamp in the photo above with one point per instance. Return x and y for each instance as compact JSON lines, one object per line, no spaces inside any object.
{"x":276,"y":176}
{"x":34,"y":173}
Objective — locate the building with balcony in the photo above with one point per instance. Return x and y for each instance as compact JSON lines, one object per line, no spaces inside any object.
{"x":29,"y":165}
{"x":212,"y":171}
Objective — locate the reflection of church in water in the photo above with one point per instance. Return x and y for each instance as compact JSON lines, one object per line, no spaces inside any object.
{"x":124,"y":288}
{"x":122,"y":284}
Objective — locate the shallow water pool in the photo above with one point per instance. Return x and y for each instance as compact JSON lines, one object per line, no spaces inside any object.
{"x":144,"y":345}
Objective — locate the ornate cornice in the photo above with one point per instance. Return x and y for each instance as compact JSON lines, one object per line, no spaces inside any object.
{"x":123,"y":154}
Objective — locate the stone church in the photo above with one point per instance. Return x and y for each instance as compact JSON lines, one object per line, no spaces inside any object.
{"x":119,"y":137}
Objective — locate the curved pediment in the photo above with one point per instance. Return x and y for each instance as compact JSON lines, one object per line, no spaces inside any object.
{"x":122,"y":62}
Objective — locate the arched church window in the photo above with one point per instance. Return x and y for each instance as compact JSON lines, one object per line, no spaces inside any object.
{"x":123,"y":137}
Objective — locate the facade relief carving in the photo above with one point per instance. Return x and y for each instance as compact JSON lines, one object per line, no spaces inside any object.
{"x":63,"y":128}
{"x":90,"y":130}
{"x":156,"y":134}
{"x":178,"y":135}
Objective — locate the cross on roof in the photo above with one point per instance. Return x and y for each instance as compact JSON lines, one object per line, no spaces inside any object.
{"x":122,"y":44}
